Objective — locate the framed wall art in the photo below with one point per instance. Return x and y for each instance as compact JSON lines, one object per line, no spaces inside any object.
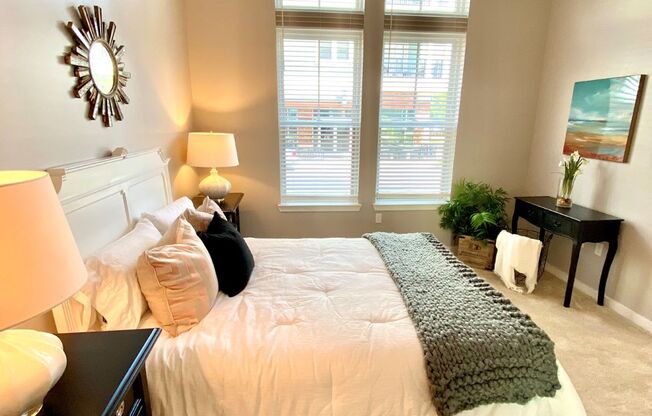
{"x":603,"y":117}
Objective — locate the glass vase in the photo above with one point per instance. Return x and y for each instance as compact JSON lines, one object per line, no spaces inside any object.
{"x":564,"y":192}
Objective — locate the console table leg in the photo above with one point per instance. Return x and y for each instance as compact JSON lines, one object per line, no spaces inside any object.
{"x":542,"y":234}
{"x":571,"y":272}
{"x":611,"y":253}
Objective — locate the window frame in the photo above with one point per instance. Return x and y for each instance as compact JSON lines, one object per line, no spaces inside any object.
{"x":401,"y":26}
{"x":350,"y":121}
{"x":318,"y":16}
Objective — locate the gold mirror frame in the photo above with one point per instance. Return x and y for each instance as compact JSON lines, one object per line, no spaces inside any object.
{"x":94,"y":30}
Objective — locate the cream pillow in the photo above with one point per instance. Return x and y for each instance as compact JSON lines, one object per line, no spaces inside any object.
{"x":164,"y":217}
{"x":198,"y":219}
{"x":178,"y":280}
{"x":112,"y":288}
{"x":209,"y":206}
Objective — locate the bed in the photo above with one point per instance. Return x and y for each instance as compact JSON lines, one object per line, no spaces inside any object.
{"x":321,"y":329}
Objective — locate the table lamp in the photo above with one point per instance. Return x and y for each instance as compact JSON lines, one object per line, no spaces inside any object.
{"x":212,"y":150}
{"x":40,"y":267}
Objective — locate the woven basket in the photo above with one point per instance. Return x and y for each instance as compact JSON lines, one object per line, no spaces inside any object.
{"x":544,"y":251}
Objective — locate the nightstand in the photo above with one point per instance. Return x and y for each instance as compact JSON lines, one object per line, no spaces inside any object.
{"x":230,"y":206}
{"x":105,"y":374}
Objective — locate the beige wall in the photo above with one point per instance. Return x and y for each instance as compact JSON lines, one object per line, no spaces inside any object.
{"x":505,"y":45}
{"x":589,"y":39}
{"x":42,"y":125}
{"x":233,"y":76}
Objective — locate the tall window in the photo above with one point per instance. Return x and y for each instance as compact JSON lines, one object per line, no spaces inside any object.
{"x":423,"y":57}
{"x":319,"y":57}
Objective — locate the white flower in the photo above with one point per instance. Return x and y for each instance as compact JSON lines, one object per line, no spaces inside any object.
{"x":562,"y":163}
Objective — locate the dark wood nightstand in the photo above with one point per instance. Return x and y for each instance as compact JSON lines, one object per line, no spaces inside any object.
{"x":230,"y":206}
{"x":105,"y":374}
{"x":580,"y":224}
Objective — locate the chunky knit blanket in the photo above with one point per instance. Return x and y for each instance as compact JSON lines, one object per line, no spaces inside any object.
{"x":478,"y":347}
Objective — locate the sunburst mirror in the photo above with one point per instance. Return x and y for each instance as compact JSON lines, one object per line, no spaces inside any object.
{"x":97,"y":64}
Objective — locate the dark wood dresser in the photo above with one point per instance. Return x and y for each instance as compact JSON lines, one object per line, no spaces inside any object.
{"x":580,"y":224}
{"x":230,"y":206}
{"x":105,"y":374}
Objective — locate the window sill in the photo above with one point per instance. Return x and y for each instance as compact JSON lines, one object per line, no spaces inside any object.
{"x":319,"y":207}
{"x":407,"y":205}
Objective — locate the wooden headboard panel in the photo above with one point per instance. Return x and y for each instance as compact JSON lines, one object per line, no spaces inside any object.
{"x":102,"y":199}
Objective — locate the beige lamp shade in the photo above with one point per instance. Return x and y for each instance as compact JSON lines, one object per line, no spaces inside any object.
{"x":212,"y":150}
{"x":40,"y":265}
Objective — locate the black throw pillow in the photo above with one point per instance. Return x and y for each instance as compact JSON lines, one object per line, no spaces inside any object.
{"x":231,"y":256}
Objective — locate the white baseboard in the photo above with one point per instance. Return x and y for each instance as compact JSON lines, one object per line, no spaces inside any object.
{"x":612,"y":304}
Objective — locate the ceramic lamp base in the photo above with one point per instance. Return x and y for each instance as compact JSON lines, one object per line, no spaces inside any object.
{"x":32,"y":362}
{"x":215,"y":186}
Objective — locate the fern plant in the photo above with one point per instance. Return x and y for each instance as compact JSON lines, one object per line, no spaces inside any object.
{"x":475,"y":209}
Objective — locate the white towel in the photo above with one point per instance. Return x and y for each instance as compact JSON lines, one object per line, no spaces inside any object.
{"x":516,"y":252}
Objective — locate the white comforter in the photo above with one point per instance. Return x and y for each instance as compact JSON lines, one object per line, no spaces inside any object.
{"x":321,"y":329}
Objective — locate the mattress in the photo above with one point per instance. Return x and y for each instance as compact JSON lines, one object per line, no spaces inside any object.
{"x":321,"y":329}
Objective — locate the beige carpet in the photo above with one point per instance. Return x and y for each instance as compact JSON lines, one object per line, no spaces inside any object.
{"x":608,"y":358}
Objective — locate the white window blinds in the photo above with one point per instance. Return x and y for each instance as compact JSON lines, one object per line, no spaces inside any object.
{"x":321,"y":5}
{"x":427,"y":7}
{"x":319,"y":58}
{"x":423,"y":58}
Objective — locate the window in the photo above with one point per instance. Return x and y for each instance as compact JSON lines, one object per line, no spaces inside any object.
{"x":325,"y":50}
{"x":343,"y":52}
{"x":427,"y":7}
{"x":319,"y":57}
{"x":402,"y":62}
{"x":320,"y":5}
{"x":437,"y":68}
{"x":423,"y":57}
{"x":319,"y":89}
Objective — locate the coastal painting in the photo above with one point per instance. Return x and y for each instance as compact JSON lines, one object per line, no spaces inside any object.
{"x":603,"y":116}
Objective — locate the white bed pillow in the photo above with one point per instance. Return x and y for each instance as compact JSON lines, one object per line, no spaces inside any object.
{"x":164,"y":217}
{"x":209,"y":206}
{"x":112,"y":288}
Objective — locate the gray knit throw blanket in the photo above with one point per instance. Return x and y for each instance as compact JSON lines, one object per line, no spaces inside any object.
{"x":478,"y":347}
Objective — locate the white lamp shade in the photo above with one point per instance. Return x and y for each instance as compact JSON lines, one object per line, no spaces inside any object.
{"x":212,"y":150}
{"x":40,"y":265}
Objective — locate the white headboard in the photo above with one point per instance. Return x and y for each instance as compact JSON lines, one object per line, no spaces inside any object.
{"x":102,"y":199}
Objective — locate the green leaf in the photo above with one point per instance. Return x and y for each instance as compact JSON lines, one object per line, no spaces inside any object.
{"x":482,"y":219}
{"x":475,"y":209}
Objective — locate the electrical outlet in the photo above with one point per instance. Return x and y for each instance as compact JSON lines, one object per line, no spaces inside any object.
{"x":599,"y":248}
{"x":379,"y":217}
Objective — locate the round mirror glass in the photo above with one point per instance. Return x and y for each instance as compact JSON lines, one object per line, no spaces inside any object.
{"x":104,"y":70}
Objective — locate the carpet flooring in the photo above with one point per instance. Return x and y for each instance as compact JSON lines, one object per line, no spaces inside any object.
{"x":608,"y":358}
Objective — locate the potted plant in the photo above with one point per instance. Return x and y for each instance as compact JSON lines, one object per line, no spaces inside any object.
{"x":475,"y":214}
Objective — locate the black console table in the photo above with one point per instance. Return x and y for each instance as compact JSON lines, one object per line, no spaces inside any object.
{"x":580,"y":224}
